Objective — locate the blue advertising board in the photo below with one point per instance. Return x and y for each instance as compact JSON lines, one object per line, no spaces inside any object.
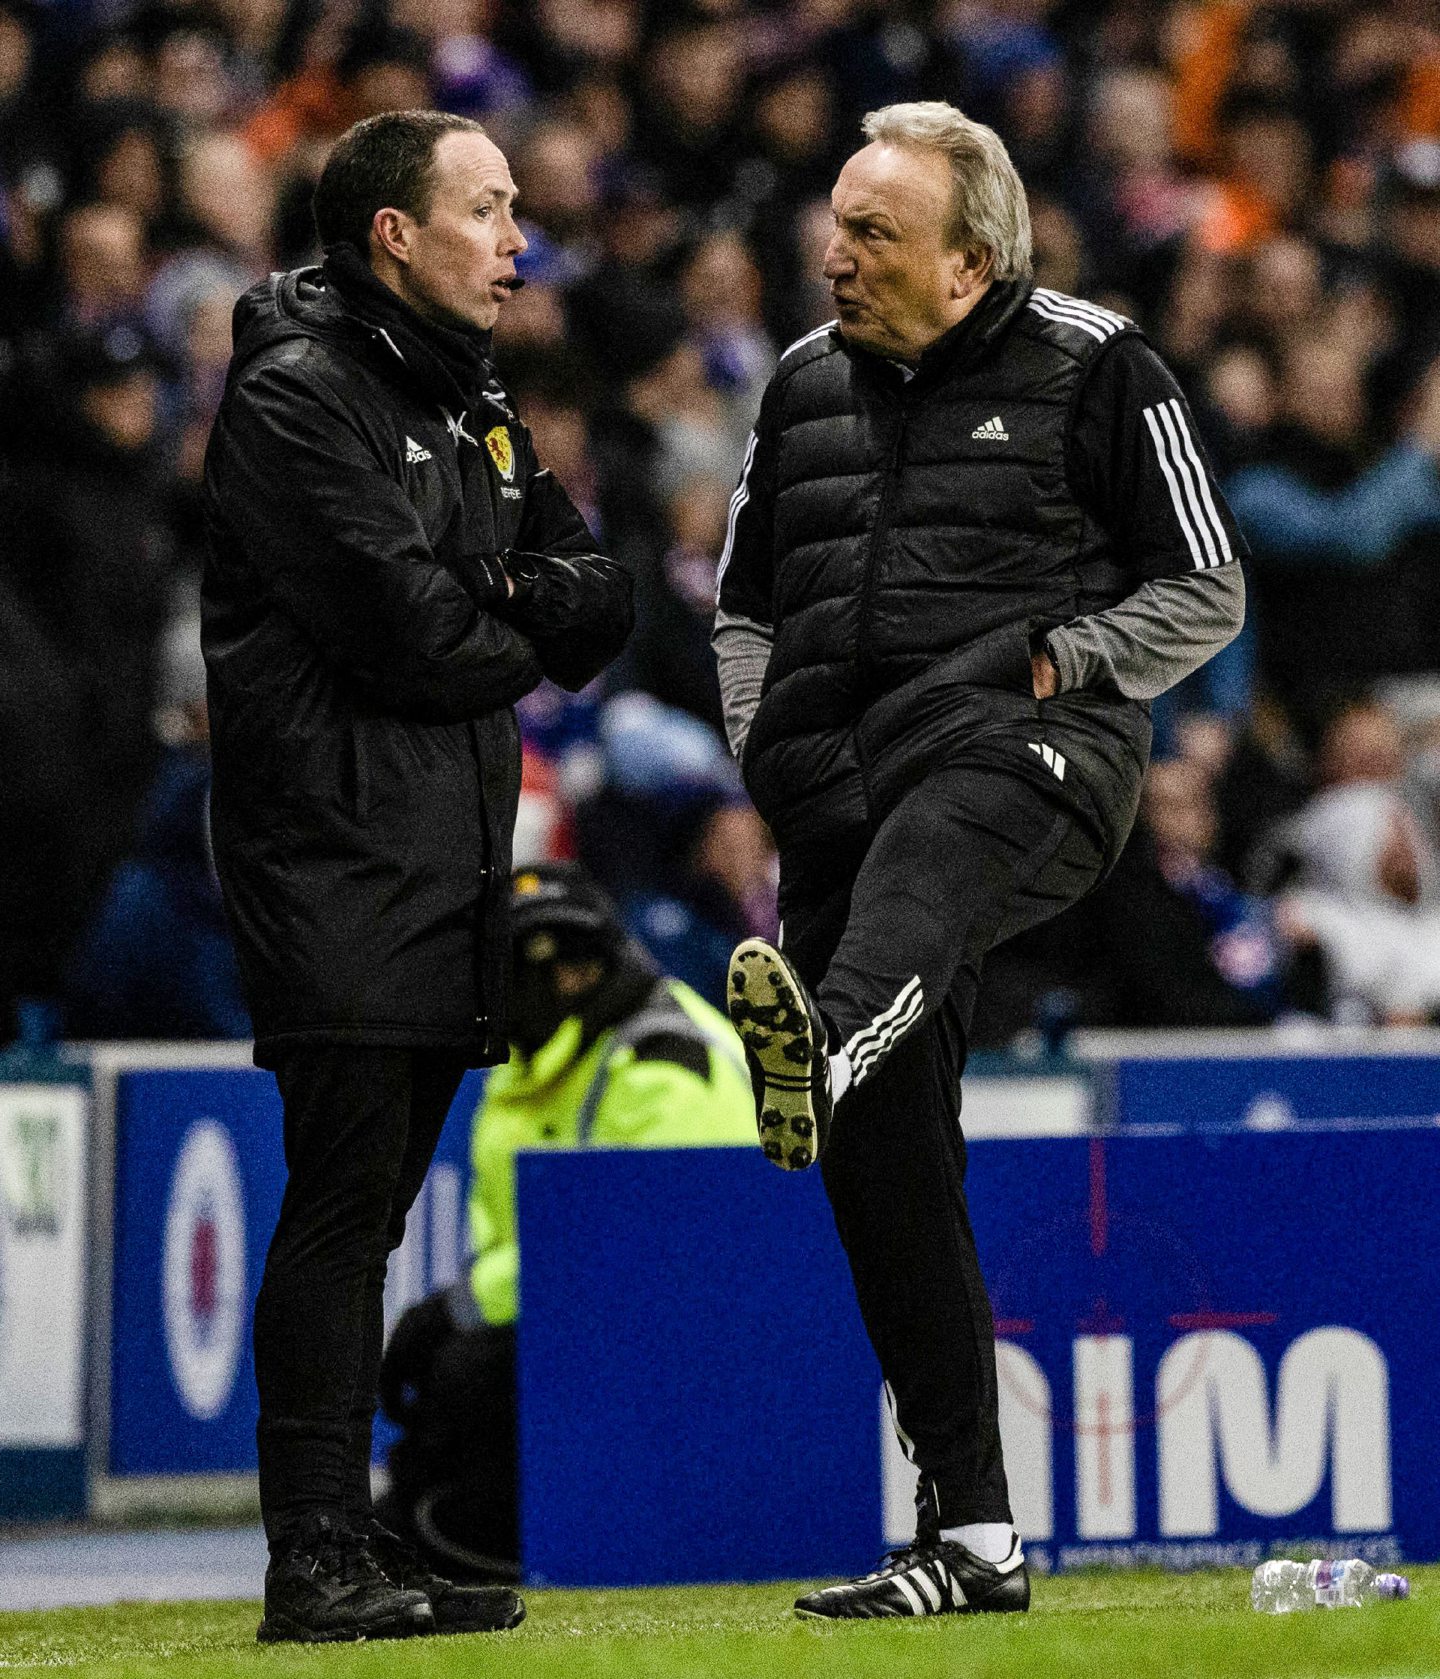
{"x":695,"y":1386}
{"x":1270,"y":1091}
{"x":198,"y":1178}
{"x":1210,"y":1346}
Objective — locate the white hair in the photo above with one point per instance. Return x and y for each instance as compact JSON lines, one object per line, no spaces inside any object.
{"x":988,"y":212}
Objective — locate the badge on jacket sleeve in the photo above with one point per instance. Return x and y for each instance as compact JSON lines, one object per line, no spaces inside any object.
{"x":497,"y":441}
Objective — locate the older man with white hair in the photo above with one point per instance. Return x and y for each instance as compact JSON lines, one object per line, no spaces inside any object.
{"x":976,"y":533}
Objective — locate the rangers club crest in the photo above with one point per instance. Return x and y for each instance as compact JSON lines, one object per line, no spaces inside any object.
{"x":497,"y":441}
{"x":203,"y":1270}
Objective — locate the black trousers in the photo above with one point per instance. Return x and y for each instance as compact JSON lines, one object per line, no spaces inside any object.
{"x":361,"y":1124}
{"x":967,"y":859}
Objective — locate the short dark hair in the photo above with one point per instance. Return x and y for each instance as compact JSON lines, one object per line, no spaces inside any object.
{"x":382,"y":162}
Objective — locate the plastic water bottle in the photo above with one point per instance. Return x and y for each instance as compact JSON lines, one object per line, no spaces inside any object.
{"x":1280,"y":1588}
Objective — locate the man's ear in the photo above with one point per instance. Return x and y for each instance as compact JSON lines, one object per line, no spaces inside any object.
{"x":970,"y":272}
{"x":391,"y":231}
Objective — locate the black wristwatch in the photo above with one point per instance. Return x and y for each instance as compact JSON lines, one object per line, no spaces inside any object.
{"x":523,"y":570}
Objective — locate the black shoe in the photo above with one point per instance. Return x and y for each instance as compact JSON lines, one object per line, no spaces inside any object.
{"x":439,"y":1536}
{"x":457,"y":1608}
{"x":786,"y":1047}
{"x":324,"y":1587}
{"x":941,"y":1578}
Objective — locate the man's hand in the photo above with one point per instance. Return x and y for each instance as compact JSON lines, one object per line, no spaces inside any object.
{"x":1044,"y":676}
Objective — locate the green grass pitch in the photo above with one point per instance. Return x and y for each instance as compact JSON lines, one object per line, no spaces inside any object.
{"x":1131,"y":1626}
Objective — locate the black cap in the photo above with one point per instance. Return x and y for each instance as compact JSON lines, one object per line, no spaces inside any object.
{"x":561,"y":898}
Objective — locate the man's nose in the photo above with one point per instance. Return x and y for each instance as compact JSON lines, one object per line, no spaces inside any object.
{"x":838,"y":262}
{"x":517,"y":242}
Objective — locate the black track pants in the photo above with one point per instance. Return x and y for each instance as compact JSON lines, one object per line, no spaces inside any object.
{"x":967,"y":859}
{"x":361,"y":1124}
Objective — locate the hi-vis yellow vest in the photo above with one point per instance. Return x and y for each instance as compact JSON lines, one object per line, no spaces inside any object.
{"x":605,"y":1098}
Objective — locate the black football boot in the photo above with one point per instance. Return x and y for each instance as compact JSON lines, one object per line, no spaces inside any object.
{"x":787,"y":1049}
{"x":938,"y":1578}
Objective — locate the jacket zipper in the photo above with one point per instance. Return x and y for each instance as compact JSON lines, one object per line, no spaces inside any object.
{"x":867,"y":586}
{"x":877,"y":539}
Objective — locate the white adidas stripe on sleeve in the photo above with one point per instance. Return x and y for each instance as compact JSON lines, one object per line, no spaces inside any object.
{"x":807,"y":338}
{"x":1082,"y":306}
{"x":742,"y":489}
{"x":1159,"y":438}
{"x":1053,"y":314}
{"x":737,"y":501}
{"x":1189,"y":491}
{"x":1090,"y":318}
{"x":1214,"y":521}
{"x":1187,"y":483}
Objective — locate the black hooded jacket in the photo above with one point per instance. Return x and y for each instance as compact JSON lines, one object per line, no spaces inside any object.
{"x":368,"y":487}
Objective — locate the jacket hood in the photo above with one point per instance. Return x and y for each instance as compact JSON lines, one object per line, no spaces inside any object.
{"x":294,"y":305}
{"x":345,"y":305}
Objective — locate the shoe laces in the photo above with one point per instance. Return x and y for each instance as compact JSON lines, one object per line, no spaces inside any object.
{"x":903,"y":1556}
{"x":339,"y":1552}
{"x":397,"y":1556}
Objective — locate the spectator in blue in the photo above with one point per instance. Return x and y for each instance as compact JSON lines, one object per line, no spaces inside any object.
{"x":1299,"y":510}
{"x":1341,"y":588}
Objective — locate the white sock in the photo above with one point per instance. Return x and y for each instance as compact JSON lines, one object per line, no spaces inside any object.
{"x":841,"y":1074}
{"x":990,"y":1540}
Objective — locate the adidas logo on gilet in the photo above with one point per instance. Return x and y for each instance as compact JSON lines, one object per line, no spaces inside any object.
{"x":993,"y":431}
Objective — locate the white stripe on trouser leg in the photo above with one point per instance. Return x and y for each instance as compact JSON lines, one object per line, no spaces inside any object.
{"x":876,"y":1039}
{"x":911,"y":1596}
{"x":867,"y":1033}
{"x":907,"y":1445}
{"x":883,"y":1045}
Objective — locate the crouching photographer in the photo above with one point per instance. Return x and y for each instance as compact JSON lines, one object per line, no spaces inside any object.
{"x":605,"y":1053}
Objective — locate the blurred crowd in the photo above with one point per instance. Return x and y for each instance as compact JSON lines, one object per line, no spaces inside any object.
{"x":1258,"y":185}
